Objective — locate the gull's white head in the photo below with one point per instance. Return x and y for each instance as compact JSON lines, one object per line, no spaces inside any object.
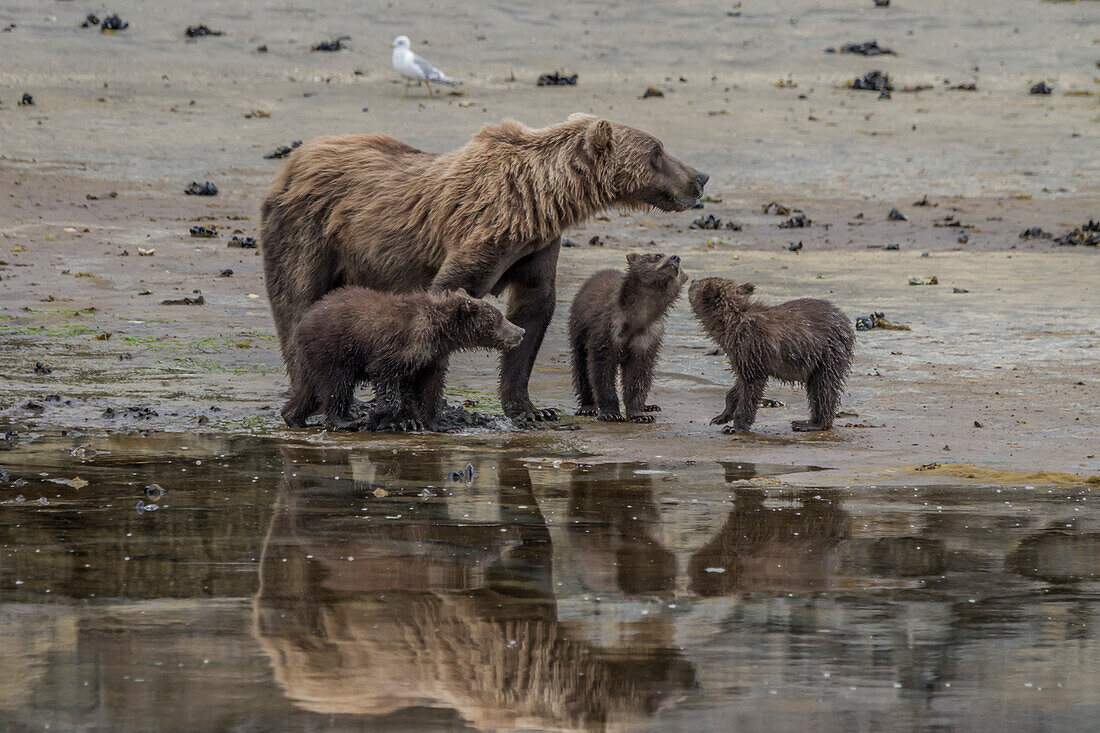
{"x":400,"y":42}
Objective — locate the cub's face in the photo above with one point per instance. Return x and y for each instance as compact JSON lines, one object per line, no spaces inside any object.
{"x":488,"y":328}
{"x":716,"y":297}
{"x":656,"y":270}
{"x":644,"y":173}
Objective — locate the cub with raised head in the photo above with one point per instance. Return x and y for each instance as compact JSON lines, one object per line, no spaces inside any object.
{"x":806,"y":341}
{"x":617,"y":321}
{"x":399,"y":342}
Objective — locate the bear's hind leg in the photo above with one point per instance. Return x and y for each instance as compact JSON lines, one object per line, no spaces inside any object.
{"x":338,"y":397}
{"x":581,"y":384}
{"x":425,"y":392}
{"x":303,"y":402}
{"x":824,"y":398}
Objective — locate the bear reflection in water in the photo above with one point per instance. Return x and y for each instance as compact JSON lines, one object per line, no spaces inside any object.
{"x":759,"y":547}
{"x":428,"y":602}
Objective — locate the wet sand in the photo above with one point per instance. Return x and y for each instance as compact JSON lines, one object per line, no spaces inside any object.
{"x":144,"y":112}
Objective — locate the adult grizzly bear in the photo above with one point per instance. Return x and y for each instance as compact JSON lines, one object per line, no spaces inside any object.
{"x":370,"y":211}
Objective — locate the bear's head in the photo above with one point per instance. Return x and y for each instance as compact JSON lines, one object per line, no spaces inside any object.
{"x":656,"y":271}
{"x":715,"y":299}
{"x":476,"y":324}
{"x":639,"y":170}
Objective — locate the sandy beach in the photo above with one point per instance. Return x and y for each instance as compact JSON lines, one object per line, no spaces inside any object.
{"x":95,"y":172}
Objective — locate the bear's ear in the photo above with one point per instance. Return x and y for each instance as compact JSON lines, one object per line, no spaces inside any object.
{"x":746,"y":289}
{"x":600,"y":137}
{"x":632,"y":258}
{"x":466,"y":307}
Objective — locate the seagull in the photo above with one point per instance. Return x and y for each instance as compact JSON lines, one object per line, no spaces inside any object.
{"x":413,"y":68}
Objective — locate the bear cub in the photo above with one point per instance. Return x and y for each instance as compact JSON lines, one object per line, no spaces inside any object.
{"x":400,"y":343}
{"x":807,"y":341}
{"x":617,"y":321}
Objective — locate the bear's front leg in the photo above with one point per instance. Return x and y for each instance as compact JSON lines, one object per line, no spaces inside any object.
{"x":531,"y":296}
{"x":731,"y":407}
{"x":425,"y":393}
{"x":749,"y":392}
{"x":393,"y":407}
{"x":638,"y":367}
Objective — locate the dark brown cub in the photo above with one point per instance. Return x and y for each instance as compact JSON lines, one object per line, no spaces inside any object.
{"x":806,"y":341}
{"x":617,"y":321}
{"x":400,"y":343}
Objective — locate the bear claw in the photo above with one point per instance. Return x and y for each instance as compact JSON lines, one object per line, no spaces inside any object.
{"x":536,"y":415}
{"x":642,"y":418}
{"x":585,"y":411}
{"x":652,"y":408}
{"x":721,"y":419}
{"x":610,"y":417}
{"x":735,"y":429}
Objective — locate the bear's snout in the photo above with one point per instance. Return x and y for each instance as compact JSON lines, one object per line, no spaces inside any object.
{"x":700,"y":181}
{"x":511,"y":334}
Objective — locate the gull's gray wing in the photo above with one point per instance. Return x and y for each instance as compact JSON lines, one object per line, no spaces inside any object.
{"x":430,"y":72}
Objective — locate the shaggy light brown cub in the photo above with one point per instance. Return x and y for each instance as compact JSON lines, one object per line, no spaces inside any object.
{"x":806,"y":341}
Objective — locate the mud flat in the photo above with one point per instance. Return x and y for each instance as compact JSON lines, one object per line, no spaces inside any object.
{"x":95,"y":172}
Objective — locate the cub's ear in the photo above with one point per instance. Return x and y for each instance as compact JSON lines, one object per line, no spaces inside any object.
{"x":599,"y":137}
{"x":632,"y":258}
{"x":467,"y":306}
{"x":746,"y":289}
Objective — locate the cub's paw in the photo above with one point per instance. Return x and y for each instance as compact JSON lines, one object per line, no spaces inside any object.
{"x":344,"y":423}
{"x":586,"y":411}
{"x":642,"y":418}
{"x":533,"y":414}
{"x":736,"y":428}
{"x":806,"y":426}
{"x":395,"y":425}
{"x":722,"y":419}
{"x":608,"y":416}
{"x":652,"y":408}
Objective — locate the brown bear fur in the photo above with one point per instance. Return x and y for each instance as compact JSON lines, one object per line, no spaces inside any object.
{"x":807,"y":341}
{"x":398,"y":342}
{"x":618,"y":322}
{"x":369,"y":211}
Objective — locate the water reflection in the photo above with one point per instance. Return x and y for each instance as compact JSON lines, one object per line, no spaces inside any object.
{"x":790,"y":547}
{"x":613,"y":522}
{"x":425,"y":604}
{"x":307,"y":588}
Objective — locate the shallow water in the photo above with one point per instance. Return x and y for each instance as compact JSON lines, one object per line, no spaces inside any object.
{"x":298,"y":587}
